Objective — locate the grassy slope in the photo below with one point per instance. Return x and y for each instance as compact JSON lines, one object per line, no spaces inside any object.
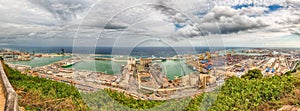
{"x":236,"y":94}
{"x":41,"y":94}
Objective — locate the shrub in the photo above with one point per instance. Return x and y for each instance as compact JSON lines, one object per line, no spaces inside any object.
{"x":253,"y":74}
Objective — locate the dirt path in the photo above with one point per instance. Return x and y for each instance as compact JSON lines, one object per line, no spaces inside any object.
{"x":2,"y":97}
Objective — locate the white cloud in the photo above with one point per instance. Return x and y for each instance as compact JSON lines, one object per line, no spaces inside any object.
{"x":294,"y":3}
{"x":135,"y":19}
{"x":229,"y":20}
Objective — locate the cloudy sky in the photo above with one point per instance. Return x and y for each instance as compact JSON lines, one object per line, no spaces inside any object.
{"x":252,"y":23}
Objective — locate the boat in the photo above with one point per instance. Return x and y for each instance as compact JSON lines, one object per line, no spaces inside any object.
{"x":68,"y":64}
{"x":176,"y":77}
{"x":163,"y":59}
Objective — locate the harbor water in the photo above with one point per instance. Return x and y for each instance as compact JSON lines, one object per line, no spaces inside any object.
{"x":105,"y":66}
{"x":171,"y":68}
{"x":38,"y":62}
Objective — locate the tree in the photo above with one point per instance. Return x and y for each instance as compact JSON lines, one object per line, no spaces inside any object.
{"x":253,"y":74}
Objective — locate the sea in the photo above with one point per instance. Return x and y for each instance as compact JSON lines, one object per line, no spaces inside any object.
{"x":132,"y":51}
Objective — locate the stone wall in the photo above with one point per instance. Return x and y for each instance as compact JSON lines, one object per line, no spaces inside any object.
{"x":11,"y":103}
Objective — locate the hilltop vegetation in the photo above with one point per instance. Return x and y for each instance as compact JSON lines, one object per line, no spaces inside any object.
{"x":253,"y":74}
{"x":42,"y":94}
{"x":107,"y":99}
{"x":254,"y":92}
{"x":251,"y":92}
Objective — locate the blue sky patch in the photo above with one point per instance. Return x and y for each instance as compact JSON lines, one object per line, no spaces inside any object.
{"x":178,"y":26}
{"x":242,"y":6}
{"x":273,"y":8}
{"x":200,"y":14}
